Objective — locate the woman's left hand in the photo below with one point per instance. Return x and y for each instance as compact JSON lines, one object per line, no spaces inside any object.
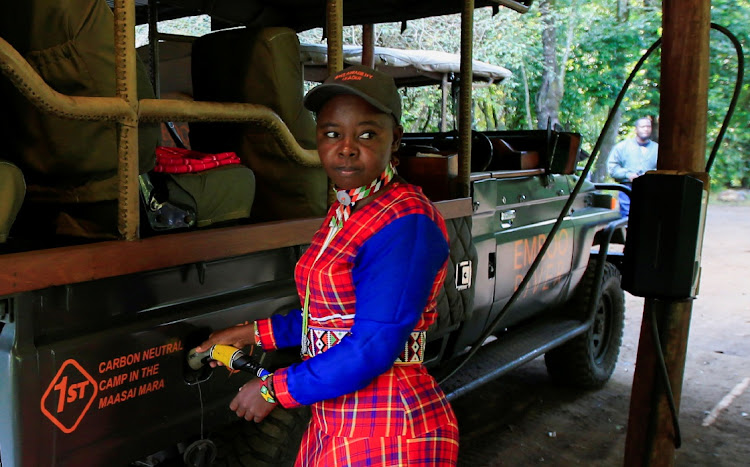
{"x":249,"y":404}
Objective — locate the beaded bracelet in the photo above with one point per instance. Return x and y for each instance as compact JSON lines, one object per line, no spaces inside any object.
{"x":266,"y":389}
{"x":257,"y":334}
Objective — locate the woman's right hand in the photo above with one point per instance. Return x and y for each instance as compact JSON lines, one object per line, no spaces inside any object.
{"x":238,"y":336}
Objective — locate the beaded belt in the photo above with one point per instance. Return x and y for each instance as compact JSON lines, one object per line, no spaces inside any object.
{"x":319,"y":340}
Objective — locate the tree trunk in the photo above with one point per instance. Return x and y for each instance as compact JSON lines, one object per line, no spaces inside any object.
{"x":425,"y":124}
{"x":527,"y":100}
{"x":550,"y":92}
{"x":623,"y":10}
{"x":489,"y":117}
{"x":610,"y":139}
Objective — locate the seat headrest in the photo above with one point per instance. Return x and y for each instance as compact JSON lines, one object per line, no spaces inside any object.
{"x":257,"y":66}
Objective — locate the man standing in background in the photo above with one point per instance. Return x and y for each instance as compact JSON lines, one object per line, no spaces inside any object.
{"x":632,"y":158}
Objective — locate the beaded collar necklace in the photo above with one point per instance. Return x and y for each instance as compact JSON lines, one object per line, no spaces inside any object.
{"x":348,"y":198}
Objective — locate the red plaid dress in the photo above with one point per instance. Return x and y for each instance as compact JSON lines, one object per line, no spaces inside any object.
{"x":400,"y":417}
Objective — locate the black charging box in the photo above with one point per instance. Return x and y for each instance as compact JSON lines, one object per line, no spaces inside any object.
{"x":664,"y":236}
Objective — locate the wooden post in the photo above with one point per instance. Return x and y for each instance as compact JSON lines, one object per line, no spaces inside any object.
{"x":682,"y":148}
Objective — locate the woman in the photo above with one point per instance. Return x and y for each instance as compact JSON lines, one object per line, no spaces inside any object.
{"x":368,"y":284}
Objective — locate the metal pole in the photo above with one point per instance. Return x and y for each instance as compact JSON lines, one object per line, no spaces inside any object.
{"x":368,"y":45}
{"x":444,"y":103}
{"x":153,"y":42}
{"x":464,"y":104}
{"x":682,"y":148}
{"x":126,"y":89}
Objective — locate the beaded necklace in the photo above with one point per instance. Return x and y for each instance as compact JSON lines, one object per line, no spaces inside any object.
{"x":348,"y":198}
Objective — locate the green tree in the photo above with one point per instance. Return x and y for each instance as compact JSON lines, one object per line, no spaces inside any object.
{"x":732,"y":165}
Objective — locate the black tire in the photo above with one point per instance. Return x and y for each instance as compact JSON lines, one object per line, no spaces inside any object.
{"x":274,"y":442}
{"x":589,"y":359}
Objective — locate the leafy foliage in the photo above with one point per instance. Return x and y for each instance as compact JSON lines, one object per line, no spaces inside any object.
{"x":732,"y":165}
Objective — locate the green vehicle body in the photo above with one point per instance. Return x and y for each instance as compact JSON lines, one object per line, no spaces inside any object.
{"x":94,"y":372}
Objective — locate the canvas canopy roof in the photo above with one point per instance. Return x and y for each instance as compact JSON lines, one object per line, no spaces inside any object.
{"x":408,"y":67}
{"x":307,"y":14}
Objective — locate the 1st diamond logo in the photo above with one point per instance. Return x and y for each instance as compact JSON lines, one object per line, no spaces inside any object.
{"x":69,"y":396}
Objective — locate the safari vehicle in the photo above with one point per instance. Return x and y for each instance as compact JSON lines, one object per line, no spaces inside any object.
{"x":94,"y":330}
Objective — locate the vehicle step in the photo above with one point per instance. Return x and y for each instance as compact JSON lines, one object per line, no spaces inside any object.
{"x":509,"y":351}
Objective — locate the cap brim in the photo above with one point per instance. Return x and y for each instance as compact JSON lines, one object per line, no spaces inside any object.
{"x":318,"y":96}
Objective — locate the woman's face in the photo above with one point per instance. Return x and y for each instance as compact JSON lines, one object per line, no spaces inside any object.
{"x":355,"y":140}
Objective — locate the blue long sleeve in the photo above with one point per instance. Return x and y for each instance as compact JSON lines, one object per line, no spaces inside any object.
{"x":287,"y":329}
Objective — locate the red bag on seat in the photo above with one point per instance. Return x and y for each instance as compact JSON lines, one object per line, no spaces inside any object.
{"x":178,"y":160}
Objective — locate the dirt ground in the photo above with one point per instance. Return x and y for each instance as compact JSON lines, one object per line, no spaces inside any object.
{"x":523,"y":419}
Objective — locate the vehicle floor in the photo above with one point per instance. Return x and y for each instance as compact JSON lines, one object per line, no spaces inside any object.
{"x":522,"y":418}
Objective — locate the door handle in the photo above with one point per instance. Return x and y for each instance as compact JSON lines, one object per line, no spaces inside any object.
{"x":507,"y":218}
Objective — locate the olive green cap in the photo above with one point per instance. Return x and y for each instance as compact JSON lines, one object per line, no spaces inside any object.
{"x":375,"y":87}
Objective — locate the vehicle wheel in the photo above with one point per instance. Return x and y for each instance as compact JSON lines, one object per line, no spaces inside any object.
{"x":271,"y":443}
{"x":589,"y":360}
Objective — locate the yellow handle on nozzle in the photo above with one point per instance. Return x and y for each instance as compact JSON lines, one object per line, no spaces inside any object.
{"x":226,"y":354}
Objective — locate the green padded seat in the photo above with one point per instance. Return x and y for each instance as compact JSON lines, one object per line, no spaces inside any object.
{"x":260,"y":66}
{"x":217,"y":195}
{"x":12,"y":190}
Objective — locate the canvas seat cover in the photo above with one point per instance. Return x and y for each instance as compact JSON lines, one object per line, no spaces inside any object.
{"x":260,"y":66}
{"x":70,"y":43}
{"x":67,"y":163}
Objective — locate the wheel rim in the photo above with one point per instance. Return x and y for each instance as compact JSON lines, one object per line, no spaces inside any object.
{"x":601,"y":329}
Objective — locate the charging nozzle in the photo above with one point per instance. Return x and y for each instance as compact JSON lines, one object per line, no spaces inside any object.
{"x":196,"y":360}
{"x":229,"y":356}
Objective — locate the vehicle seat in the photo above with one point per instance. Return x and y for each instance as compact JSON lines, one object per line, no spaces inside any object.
{"x":221,"y":194}
{"x":71,"y":165}
{"x":12,"y":190}
{"x":430,"y":168}
{"x":507,"y":158}
{"x":260,"y":66}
